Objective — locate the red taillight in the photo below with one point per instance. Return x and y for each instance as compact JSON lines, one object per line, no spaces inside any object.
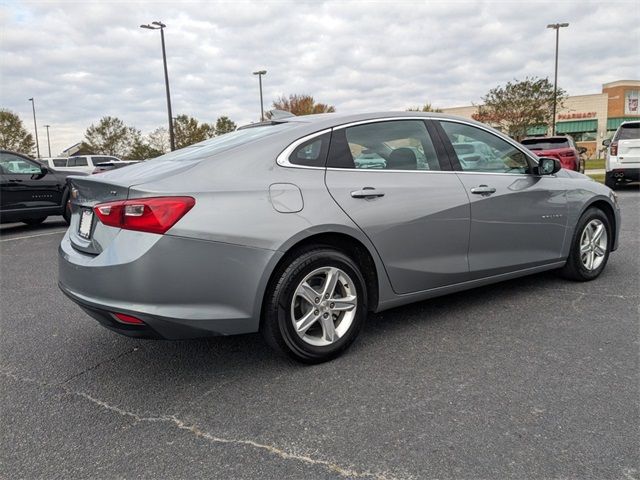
{"x":153,"y":215}
{"x":128,"y":319}
{"x":614,"y":149}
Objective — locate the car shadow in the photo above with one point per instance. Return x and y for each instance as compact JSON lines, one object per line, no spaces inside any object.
{"x":49,"y":224}
{"x":187,"y":363}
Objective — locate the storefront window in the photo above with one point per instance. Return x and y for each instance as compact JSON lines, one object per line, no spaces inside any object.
{"x":585,"y":136}
{"x":631,"y":102}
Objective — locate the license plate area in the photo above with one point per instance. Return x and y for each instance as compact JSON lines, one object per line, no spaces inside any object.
{"x":86,"y":221}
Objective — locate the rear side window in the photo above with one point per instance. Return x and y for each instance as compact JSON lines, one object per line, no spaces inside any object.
{"x":77,"y":162}
{"x":630,"y":131}
{"x":388,"y":145}
{"x":312,"y":153}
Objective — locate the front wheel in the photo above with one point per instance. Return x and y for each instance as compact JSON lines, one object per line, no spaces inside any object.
{"x":590,"y":247}
{"x":316,"y":306}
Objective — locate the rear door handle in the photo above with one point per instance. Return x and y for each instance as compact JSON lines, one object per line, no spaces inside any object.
{"x":367,"y":192}
{"x":483,"y":190}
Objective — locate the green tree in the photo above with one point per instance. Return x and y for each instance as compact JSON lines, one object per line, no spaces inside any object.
{"x":111,"y":137}
{"x":13,"y":135}
{"x":143,"y":150}
{"x":427,"y":107}
{"x":519,"y":105}
{"x":301,"y":105}
{"x":225,"y":125}
{"x":187,"y":131}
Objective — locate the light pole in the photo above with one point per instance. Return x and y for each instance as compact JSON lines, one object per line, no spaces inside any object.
{"x":35,"y":125}
{"x":161,"y":26}
{"x":260,"y":73}
{"x":48,"y":142}
{"x":556,"y":27}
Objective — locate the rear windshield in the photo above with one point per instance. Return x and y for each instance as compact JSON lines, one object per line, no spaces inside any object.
{"x":630,"y":131}
{"x":226,"y":141}
{"x":545,"y":143}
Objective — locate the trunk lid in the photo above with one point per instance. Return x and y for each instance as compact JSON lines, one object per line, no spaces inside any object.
{"x":87,"y":234}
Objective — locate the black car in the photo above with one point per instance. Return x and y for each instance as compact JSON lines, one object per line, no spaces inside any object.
{"x":30,"y":191}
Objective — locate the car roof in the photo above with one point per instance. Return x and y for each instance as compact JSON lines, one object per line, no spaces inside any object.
{"x":628,"y":122}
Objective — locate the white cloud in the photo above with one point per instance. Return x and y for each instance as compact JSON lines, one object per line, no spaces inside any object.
{"x":84,"y":60}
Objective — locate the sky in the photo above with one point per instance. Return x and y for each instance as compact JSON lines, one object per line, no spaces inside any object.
{"x":84,"y":60}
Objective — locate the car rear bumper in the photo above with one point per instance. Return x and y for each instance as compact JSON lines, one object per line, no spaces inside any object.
{"x":179,"y":287}
{"x":621,"y":173}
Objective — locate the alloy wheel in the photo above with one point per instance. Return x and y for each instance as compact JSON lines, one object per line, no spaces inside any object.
{"x":593,"y":244}
{"x":324,"y":306}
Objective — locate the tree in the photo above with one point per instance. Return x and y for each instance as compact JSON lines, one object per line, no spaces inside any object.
{"x":143,"y":151}
{"x":301,"y":105}
{"x":519,"y":105}
{"x":159,"y":139}
{"x":13,"y":135}
{"x":111,"y":137}
{"x":188,"y":130}
{"x":225,"y":125}
{"x":427,"y":107}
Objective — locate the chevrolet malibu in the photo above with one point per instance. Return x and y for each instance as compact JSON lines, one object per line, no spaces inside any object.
{"x":288,"y":228}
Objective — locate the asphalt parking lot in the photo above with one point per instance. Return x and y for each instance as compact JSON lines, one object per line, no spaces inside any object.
{"x":532,"y":378}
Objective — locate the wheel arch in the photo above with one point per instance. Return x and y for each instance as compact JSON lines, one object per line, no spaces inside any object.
{"x":605,"y":206}
{"x":350,"y":243}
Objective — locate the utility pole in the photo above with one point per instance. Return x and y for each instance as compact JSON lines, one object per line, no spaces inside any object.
{"x":35,"y":125}
{"x":161,"y":26}
{"x":556,"y":27}
{"x":48,"y":142}
{"x":260,"y":73}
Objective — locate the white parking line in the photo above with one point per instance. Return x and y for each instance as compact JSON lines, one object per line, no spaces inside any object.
{"x":32,"y":236}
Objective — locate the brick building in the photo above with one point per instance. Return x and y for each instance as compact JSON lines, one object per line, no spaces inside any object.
{"x":589,"y":119}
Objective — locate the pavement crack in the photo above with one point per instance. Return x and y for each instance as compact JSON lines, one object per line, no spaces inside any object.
{"x":180,"y":424}
{"x":99,"y":364}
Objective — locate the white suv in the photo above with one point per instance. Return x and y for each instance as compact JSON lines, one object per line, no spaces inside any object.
{"x":81,"y":163}
{"x":623,"y":155}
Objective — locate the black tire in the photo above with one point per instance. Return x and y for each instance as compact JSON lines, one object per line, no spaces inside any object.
{"x":277,"y":324}
{"x":34,"y":221}
{"x":609,"y":181}
{"x":574,"y":269}
{"x":66,"y":212}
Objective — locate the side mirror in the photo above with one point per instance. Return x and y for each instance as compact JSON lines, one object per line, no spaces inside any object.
{"x":548,"y":166}
{"x":44,"y":170}
{"x":606,"y":142}
{"x":582,"y":150}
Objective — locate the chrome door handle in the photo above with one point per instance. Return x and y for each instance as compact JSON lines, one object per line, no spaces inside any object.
{"x":483,"y":190}
{"x":367,"y":192}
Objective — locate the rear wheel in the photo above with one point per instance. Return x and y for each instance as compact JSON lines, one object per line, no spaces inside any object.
{"x":316,"y":306}
{"x":34,"y":221}
{"x":590,"y":248}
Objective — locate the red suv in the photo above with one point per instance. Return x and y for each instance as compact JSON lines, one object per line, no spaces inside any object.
{"x":562,"y":148}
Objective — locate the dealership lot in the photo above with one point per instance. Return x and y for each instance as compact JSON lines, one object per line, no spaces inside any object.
{"x":536,"y":377}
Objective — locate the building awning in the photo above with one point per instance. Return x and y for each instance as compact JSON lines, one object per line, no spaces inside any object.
{"x":614,"y":123}
{"x":577,"y":126}
{"x":537,"y":130}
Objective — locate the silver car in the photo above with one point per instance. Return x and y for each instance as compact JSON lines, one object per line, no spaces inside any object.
{"x":275,"y":228}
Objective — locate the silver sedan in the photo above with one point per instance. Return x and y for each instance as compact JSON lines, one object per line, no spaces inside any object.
{"x":298,"y":227}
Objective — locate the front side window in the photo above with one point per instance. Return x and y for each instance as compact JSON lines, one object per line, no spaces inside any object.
{"x":14,"y":164}
{"x":480,"y":151}
{"x":387,"y":145}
